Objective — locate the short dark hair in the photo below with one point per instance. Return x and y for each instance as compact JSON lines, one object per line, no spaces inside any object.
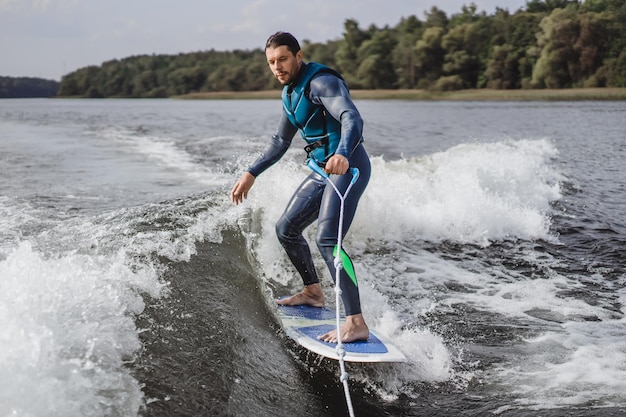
{"x":283,"y":38}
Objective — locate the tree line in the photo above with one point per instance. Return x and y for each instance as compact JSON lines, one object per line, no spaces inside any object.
{"x":546,"y":44}
{"x":26,"y":87}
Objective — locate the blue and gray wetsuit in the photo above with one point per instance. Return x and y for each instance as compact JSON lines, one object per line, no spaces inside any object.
{"x":318,"y":104}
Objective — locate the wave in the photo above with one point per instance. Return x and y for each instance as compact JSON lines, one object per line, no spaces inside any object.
{"x":69,"y":298}
{"x":84,"y":297}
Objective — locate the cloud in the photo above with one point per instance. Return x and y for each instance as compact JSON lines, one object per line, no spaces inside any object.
{"x":41,"y":4}
{"x":38,"y":5}
{"x":252,"y":16}
{"x":8,"y":4}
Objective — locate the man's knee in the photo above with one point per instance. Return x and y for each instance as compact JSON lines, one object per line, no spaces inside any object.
{"x":326,"y":245}
{"x":285,"y":231}
{"x":281,"y":230}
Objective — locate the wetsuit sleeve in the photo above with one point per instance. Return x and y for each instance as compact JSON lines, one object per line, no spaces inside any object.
{"x":280,"y":142}
{"x":332,"y":92}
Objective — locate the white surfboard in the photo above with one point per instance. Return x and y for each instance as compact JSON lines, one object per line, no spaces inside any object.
{"x":304,"y":323}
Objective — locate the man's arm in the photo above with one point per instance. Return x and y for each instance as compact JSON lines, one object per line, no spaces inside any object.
{"x":275,"y":150}
{"x":331,"y":92}
{"x":280,"y":142}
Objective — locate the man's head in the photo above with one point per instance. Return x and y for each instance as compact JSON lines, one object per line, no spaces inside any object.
{"x":284,"y":56}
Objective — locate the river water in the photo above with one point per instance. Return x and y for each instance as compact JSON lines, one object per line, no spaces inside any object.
{"x":488,"y":246}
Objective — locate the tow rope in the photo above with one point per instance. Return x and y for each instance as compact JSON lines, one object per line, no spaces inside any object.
{"x":340,"y":255}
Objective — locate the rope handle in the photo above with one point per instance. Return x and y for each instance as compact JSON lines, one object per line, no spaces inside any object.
{"x":311,"y":164}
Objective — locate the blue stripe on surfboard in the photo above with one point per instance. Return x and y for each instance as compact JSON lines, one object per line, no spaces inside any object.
{"x":370,"y":346}
{"x":307,"y":312}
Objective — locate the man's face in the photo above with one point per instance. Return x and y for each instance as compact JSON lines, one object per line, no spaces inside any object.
{"x":283,"y":63}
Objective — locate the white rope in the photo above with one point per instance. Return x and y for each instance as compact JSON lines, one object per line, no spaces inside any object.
{"x":341,"y":352}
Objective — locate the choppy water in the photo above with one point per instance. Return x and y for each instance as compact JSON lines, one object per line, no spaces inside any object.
{"x":489,"y":247}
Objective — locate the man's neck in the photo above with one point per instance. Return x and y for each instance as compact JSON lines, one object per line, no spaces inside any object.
{"x":298,"y":75}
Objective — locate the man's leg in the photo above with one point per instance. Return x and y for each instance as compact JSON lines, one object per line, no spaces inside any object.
{"x":301,"y":212}
{"x":354,"y":328}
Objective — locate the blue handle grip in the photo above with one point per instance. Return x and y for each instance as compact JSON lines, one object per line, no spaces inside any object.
{"x":355,"y":174}
{"x":316,"y":168}
{"x":319,"y":170}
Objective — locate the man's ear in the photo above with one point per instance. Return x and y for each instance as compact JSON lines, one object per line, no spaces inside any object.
{"x":299,"y":56}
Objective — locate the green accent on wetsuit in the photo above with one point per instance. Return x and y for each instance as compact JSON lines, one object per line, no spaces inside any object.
{"x":312,"y":120}
{"x":347,"y":264}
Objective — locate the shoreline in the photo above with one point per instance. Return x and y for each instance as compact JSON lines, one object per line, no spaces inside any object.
{"x":568,"y":94}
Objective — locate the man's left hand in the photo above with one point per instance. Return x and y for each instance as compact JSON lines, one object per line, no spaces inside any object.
{"x":337,"y":165}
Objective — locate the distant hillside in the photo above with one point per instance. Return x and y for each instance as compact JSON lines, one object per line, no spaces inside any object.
{"x":549,"y":44}
{"x":26,"y":87}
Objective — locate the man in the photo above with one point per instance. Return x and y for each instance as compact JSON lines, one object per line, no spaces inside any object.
{"x":316,"y":102}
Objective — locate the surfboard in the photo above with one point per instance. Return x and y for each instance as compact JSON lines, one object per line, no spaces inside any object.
{"x":304,"y":323}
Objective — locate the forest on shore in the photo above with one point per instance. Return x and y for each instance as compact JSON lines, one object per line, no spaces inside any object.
{"x":27,"y":87}
{"x":548,"y":44}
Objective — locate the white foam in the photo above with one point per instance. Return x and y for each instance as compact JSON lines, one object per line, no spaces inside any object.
{"x":580,"y":363}
{"x":67,"y":303}
{"x":14,"y":218}
{"x":164,"y":152}
{"x":474,"y":194}
{"x":66,"y":333}
{"x":471,"y":193}
{"x":428,"y":357}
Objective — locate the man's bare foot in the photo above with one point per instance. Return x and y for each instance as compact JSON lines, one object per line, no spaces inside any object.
{"x":311,"y":295}
{"x":352,"y":330}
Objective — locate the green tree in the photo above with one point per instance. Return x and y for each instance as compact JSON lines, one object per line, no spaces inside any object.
{"x":429,"y":54}
{"x":144,"y":82}
{"x":257,"y":77}
{"x":192,"y":79}
{"x":404,"y":57}
{"x":346,"y":56}
{"x":22,"y":87}
{"x":546,"y":6}
{"x":436,"y":18}
{"x":322,"y":53}
{"x":376,"y":69}
{"x":591,"y":47}
{"x":69,"y":86}
{"x":83,"y":79}
{"x":509,"y":64}
{"x":466,"y":52}
{"x":523,"y":38}
{"x":558,"y":59}
{"x":617,"y":71}
{"x":503,"y":69}
{"x":551,"y":43}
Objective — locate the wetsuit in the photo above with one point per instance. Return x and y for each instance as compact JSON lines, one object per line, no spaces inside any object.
{"x":313,"y":199}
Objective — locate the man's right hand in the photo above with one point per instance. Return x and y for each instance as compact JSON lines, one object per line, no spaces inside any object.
{"x":241,"y":188}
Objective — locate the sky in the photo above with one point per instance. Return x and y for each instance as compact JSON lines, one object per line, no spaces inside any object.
{"x":50,"y":38}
